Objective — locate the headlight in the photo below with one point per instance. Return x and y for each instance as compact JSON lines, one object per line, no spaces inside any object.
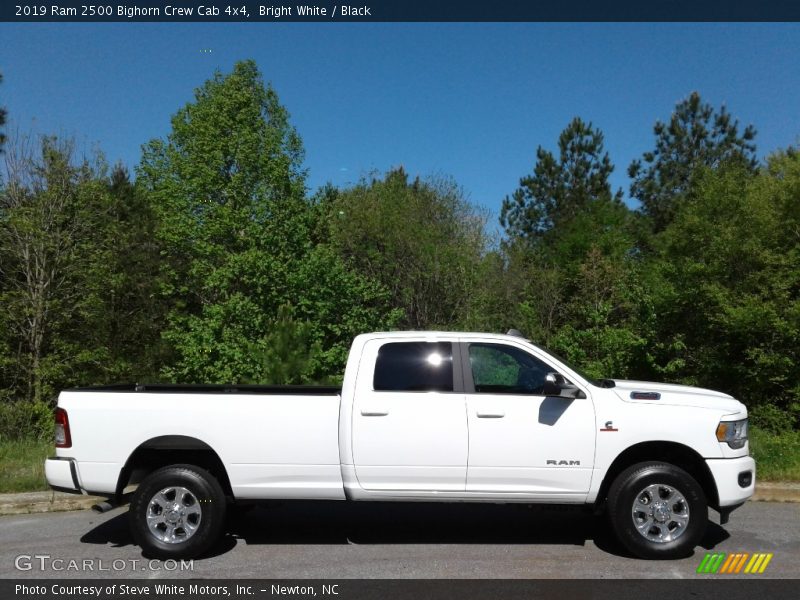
{"x":734,"y":433}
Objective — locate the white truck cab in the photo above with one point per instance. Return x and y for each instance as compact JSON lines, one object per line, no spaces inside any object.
{"x":421,"y":416}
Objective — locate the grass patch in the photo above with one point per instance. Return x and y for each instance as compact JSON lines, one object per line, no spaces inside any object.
{"x":777,"y":455}
{"x":22,"y":465}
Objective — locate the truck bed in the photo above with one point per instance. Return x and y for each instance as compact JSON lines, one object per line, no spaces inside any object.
{"x":275,"y":441}
{"x":205,"y":388}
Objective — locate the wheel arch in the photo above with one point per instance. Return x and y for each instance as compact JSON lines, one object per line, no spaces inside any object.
{"x":168,"y":450}
{"x":674,"y":453}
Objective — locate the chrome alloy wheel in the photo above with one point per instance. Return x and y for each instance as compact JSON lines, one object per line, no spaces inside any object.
{"x":173,"y":515}
{"x":660,"y":513}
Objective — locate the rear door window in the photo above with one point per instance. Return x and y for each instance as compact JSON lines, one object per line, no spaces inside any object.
{"x":414,"y":367}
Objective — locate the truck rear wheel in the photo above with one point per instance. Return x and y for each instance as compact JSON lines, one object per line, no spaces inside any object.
{"x":177,"y":512}
{"x":657,"y":510}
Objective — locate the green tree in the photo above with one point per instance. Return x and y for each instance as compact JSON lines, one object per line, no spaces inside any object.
{"x":420,"y":240}
{"x":571,"y":260}
{"x":51,"y":210}
{"x":560,"y":188}
{"x":696,"y":136}
{"x":729,"y":301}
{"x":234,"y":229}
{"x":606,"y":316}
{"x":582,"y":293}
{"x":133,"y":313}
{"x":288,"y":351}
{"x":495,"y":294}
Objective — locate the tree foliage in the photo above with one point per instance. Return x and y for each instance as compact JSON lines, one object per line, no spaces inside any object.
{"x":60,"y":244}
{"x":421,"y":240}
{"x":234,"y":227}
{"x":560,"y":188}
{"x":289,"y":349}
{"x":696,"y":136}
{"x":134,"y":312}
{"x":730,"y":295}
{"x":570,"y":256}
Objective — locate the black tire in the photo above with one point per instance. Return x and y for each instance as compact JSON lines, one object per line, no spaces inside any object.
{"x":192,"y":534}
{"x":676,"y":485}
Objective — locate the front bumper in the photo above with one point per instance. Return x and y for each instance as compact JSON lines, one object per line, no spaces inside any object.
{"x":62,"y":475}
{"x":730,"y":474}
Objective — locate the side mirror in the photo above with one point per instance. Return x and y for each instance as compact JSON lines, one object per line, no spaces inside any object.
{"x":555,"y":384}
{"x":552,"y":384}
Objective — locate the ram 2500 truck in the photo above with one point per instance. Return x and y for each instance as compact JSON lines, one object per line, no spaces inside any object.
{"x":421,"y":416}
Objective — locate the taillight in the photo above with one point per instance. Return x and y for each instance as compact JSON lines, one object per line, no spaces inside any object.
{"x":63,"y":439}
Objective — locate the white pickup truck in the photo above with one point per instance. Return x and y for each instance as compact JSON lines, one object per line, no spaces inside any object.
{"x":421,"y":416}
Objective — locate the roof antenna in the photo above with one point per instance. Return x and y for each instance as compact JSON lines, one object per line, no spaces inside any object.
{"x":515,"y":333}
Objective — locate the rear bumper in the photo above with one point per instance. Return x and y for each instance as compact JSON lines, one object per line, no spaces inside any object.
{"x":735,"y":479}
{"x":62,"y":475}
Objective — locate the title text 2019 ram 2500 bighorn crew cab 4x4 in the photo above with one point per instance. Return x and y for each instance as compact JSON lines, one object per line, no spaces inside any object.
{"x":421,"y":416}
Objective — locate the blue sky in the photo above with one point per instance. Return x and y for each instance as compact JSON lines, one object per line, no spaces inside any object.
{"x":472,"y":101}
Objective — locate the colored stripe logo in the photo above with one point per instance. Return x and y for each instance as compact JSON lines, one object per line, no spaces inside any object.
{"x":731,"y":564}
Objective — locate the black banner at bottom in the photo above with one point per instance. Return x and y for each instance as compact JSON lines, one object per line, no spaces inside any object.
{"x":391,"y":589}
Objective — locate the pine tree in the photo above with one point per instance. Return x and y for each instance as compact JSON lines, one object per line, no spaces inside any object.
{"x":695,"y":136}
{"x":560,"y":187}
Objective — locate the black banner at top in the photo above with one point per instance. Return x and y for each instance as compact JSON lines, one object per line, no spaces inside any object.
{"x":400,"y":10}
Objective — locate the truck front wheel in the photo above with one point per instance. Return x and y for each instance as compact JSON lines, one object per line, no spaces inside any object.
{"x":657,"y":510}
{"x":177,"y":512}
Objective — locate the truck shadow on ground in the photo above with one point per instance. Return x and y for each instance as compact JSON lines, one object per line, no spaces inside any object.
{"x":325,"y":522}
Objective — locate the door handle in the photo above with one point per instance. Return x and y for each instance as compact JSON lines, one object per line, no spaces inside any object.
{"x":374,"y":412}
{"x":482,"y":414}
